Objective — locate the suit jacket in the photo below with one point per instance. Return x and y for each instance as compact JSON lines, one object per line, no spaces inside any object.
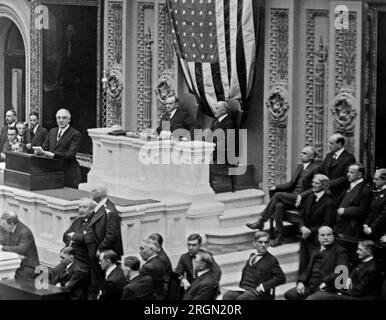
{"x":155,"y":268}
{"x":334,"y":256}
{"x":185,"y":268}
{"x":203,"y":287}
{"x":72,"y":280}
{"x":168,"y":267}
{"x":78,"y":241}
{"x":222,"y":146}
{"x":355,"y":204}
{"x":336,"y":170}
{"x":265,"y":271}
{"x":376,"y":218}
{"x":180,"y":120}
{"x":313,"y":215}
{"x":4,"y":134}
{"x":113,"y":286}
{"x":66,"y":149}
{"x":139,"y":288}
{"x":38,"y":138}
{"x":365,"y":280}
{"x":22,"y":242}
{"x":301,"y":177}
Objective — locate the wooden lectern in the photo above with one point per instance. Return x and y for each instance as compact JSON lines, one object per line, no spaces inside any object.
{"x":30,"y":172}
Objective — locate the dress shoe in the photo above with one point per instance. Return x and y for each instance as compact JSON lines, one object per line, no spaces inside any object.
{"x":258,"y":225}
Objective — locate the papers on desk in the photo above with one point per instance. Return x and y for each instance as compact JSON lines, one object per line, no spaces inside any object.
{"x":38,"y":149}
{"x":5,"y":255}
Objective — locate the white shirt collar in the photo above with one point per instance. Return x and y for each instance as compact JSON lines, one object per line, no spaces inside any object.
{"x":134,"y":276}
{"x":221,"y":118}
{"x":69,"y":266}
{"x":319,"y":194}
{"x":369,"y":258}
{"x":13,"y":124}
{"x":152,"y":257}
{"x":100,"y":204}
{"x":110,"y":269}
{"x":306,"y":164}
{"x":14,"y":228}
{"x":173,"y":113}
{"x":355,"y":183}
{"x":383,"y":187}
{"x":338,"y":153}
{"x":200,"y":273}
{"x":36,"y":128}
{"x":64,"y":129}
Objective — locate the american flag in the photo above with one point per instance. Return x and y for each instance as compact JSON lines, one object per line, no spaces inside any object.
{"x":215,"y":42}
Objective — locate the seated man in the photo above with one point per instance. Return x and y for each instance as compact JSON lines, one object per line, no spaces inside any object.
{"x":288,"y":196}
{"x":21,"y":132}
{"x":174,"y":118}
{"x":320,"y":272}
{"x":375,"y":224}
{"x":185,"y":264}
{"x":352,"y":210}
{"x":12,"y":144}
{"x":318,"y":210}
{"x":153,"y":267}
{"x":115,"y":278}
{"x":363,"y":283}
{"x":139,"y":287}
{"x":21,"y":241}
{"x":205,"y":285}
{"x":69,"y":276}
{"x":158,"y":241}
{"x":10,"y":122}
{"x":261,"y":274}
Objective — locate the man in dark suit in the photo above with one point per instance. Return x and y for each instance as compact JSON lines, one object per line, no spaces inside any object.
{"x":139,"y":287}
{"x":185,"y":264}
{"x":69,"y":276}
{"x":336,"y":164}
{"x":19,"y":239}
{"x":205,"y":285}
{"x":106,"y":218}
{"x":320,"y":273}
{"x":63,"y":143}
{"x":158,"y":241}
{"x":36,"y":134}
{"x":375,"y":225}
{"x":363,"y":283}
{"x":10,"y":122}
{"x":153,"y":267}
{"x":21,"y":132}
{"x":114,"y":277}
{"x":352,"y":210}
{"x":12,"y":144}
{"x":261,"y":274}
{"x":288,"y":195}
{"x":318,"y":210}
{"x":174,"y":118}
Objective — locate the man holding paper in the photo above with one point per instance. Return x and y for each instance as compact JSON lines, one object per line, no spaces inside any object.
{"x":63,"y":143}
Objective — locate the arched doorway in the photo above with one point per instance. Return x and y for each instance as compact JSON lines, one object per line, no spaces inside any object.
{"x":12,"y":69}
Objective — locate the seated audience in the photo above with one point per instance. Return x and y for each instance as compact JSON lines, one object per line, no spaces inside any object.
{"x":69,"y":276}
{"x":114,"y":277}
{"x":352,"y":210}
{"x":153,"y":267}
{"x":205,"y":285}
{"x":320,"y":273}
{"x":19,"y":239}
{"x":375,"y":224}
{"x":12,"y":144}
{"x":185,"y":264}
{"x":158,"y":241}
{"x":261,"y":274}
{"x":363,"y":283}
{"x":318,"y":210}
{"x":139,"y":287}
{"x":288,"y":195}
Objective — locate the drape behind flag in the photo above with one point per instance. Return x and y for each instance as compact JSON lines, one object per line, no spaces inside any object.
{"x":216,"y":44}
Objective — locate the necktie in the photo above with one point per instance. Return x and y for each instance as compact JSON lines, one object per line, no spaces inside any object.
{"x":168,"y":115}
{"x":335,"y":157}
{"x":59,"y":134}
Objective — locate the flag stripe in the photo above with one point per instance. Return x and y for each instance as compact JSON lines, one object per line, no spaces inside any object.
{"x":208,"y":84}
{"x":188,"y":75}
{"x":200,"y":86}
{"x":240,"y":53}
{"x":217,"y":81}
{"x":222,"y":48}
{"x":249,"y":42}
{"x":227,"y":38}
{"x":234,"y":85}
{"x":192,"y":69}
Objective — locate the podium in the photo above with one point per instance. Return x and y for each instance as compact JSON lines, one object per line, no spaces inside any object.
{"x":30,"y":172}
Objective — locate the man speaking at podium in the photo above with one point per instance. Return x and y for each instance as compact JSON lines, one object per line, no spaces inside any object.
{"x":63,"y":143}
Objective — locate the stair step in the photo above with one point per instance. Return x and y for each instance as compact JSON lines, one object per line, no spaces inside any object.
{"x":240,"y":216}
{"x":241,"y":198}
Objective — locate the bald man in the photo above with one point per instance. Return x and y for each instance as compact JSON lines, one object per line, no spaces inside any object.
{"x":335,"y":166}
{"x":63,"y":143}
{"x":288,"y":195}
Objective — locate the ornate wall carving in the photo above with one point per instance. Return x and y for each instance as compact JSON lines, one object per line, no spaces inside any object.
{"x":315,"y":81}
{"x":114,"y":63}
{"x":346,"y":78}
{"x":277,"y":102}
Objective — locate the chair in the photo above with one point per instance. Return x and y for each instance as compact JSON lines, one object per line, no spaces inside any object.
{"x":174,"y":289}
{"x":189,"y":104}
